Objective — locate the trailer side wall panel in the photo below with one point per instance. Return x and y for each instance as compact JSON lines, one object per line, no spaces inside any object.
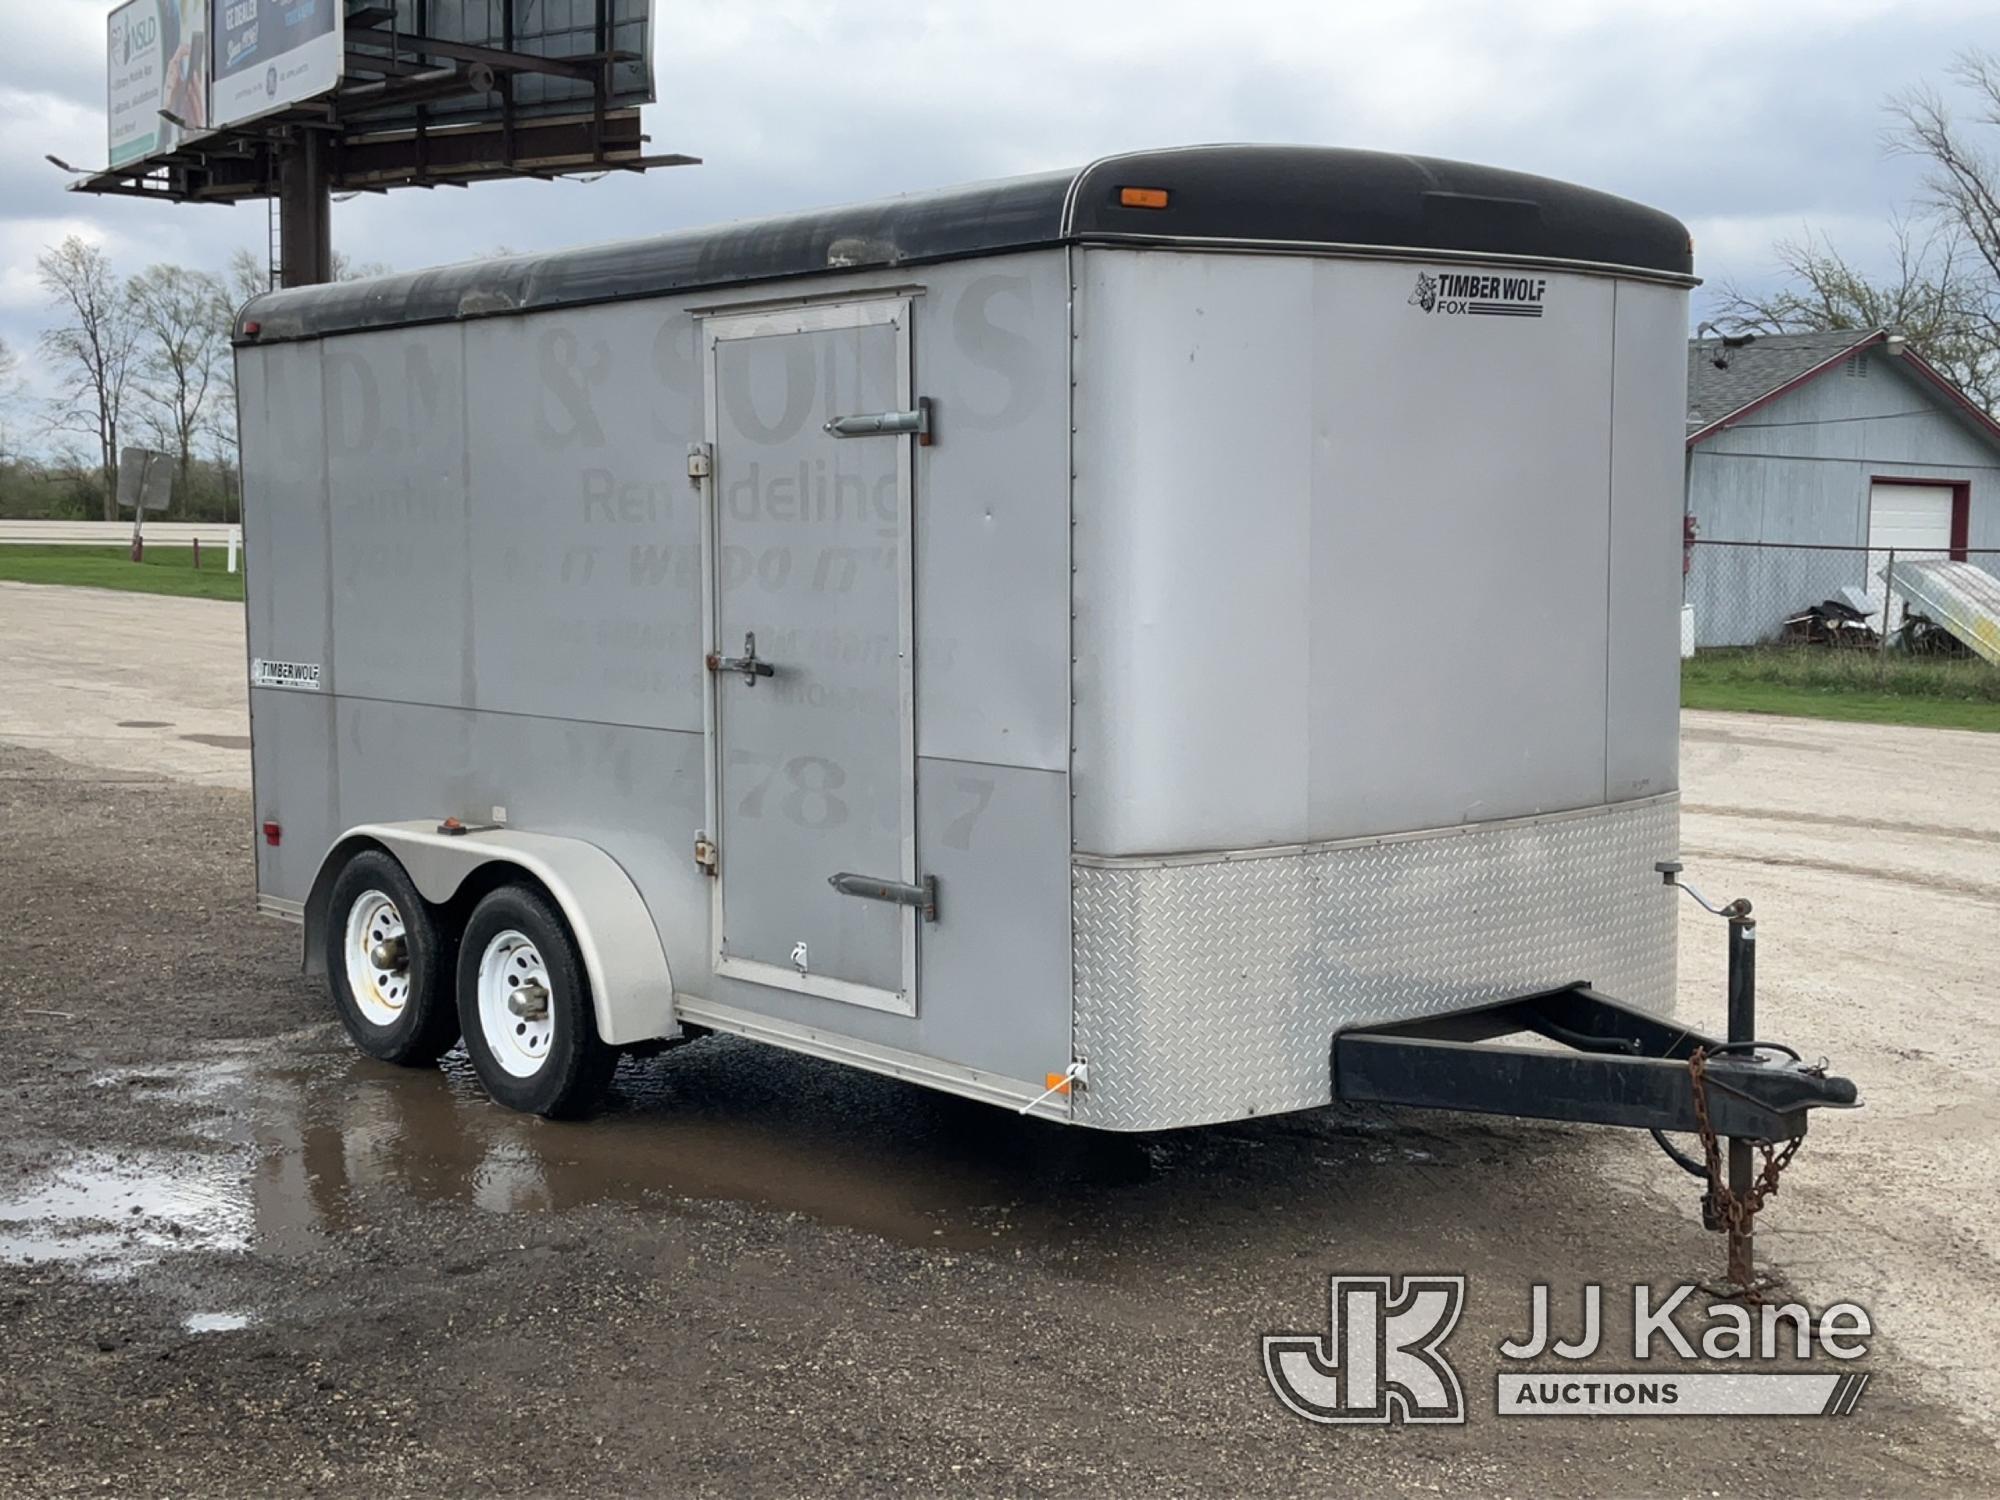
{"x":497,"y":516}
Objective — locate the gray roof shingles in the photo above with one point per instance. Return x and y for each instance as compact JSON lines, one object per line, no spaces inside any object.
{"x":1756,"y":369}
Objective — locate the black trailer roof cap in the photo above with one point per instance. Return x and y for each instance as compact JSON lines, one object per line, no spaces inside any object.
{"x":1255,"y":195}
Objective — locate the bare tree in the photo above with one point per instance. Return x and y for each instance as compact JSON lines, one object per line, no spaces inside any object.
{"x":90,"y":351}
{"x":183,"y":331}
{"x":10,"y":391}
{"x":249,"y":276}
{"x":1944,"y":289}
{"x":1961,"y":180}
{"x":1931,"y":294}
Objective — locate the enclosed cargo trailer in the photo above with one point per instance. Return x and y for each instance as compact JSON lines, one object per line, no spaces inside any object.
{"x":1085,"y":642}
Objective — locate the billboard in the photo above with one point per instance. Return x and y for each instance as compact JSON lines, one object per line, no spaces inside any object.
{"x":577,"y":29}
{"x":271,"y":53}
{"x":159,"y":59}
{"x":468,"y":74}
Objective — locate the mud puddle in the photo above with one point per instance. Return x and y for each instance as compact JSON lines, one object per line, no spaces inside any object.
{"x":216,"y":1322}
{"x":302,"y":1134}
{"x":303,"y":1137}
{"x":114,"y":1212}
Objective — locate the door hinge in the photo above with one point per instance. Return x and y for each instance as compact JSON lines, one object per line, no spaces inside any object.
{"x":700,"y":465}
{"x":704,"y":854}
{"x":887,"y":423}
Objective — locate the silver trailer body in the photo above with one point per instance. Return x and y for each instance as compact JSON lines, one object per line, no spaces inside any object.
{"x":1273,"y":631}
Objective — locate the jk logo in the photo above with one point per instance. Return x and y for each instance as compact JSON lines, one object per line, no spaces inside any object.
{"x":1380,"y":1361}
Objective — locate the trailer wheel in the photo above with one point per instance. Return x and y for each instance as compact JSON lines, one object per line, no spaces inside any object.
{"x":524,"y":1005}
{"x":389,"y":964}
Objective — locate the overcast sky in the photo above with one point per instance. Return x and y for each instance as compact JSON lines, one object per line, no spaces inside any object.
{"x":1749,"y":121}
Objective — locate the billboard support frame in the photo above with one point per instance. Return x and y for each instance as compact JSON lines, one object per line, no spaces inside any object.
{"x":305,"y":212}
{"x":381,"y":126}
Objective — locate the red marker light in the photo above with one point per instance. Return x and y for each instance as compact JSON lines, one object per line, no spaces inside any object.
{"x":251,"y":330}
{"x":272,"y":833}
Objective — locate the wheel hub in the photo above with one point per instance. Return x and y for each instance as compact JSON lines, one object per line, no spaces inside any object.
{"x":517,"y":1019}
{"x":378,"y":958}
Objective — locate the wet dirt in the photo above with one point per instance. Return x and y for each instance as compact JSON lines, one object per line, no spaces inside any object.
{"x":216,"y":1322}
{"x":291,"y":1136}
{"x":302,"y":1128}
{"x":757,"y":1273}
{"x":116,"y":1212}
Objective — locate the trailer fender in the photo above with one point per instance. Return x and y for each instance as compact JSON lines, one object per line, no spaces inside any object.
{"x":631,"y":984}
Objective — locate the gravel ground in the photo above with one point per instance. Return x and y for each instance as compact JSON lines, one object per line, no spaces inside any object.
{"x":237,"y":1260}
{"x":133,"y":683}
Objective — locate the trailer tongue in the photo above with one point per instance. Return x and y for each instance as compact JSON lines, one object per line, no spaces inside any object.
{"x":1619,"y":1066}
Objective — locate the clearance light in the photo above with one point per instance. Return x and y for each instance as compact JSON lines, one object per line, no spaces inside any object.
{"x":1142,"y":197}
{"x":1076,"y":1075}
{"x":272,"y":834}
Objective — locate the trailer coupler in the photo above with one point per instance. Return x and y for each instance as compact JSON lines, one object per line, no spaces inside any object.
{"x":1617,"y":1066}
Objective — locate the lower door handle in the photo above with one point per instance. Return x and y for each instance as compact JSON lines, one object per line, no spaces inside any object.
{"x":922,"y":895}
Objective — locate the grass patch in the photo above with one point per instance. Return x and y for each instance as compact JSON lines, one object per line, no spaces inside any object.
{"x":1863,"y":686}
{"x":166,"y":570}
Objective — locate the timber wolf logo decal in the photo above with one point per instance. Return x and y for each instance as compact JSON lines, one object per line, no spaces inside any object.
{"x":1380,"y":1361}
{"x":1479,"y":293}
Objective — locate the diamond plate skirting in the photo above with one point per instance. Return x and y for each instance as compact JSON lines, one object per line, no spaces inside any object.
{"x":1209,"y":987}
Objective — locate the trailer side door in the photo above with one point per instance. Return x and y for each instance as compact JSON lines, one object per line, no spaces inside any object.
{"x":811,"y":732}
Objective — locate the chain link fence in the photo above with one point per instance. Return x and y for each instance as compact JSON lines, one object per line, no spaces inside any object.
{"x":1774,"y":594}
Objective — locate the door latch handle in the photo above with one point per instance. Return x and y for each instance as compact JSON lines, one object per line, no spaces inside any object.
{"x":886,"y":423}
{"x":923,"y":895}
{"x":747,"y":663}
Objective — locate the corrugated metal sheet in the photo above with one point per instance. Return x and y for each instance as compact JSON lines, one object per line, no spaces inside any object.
{"x":1960,"y":596}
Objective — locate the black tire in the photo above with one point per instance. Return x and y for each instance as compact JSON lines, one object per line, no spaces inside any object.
{"x":424,"y":1024}
{"x":570,"y":1073}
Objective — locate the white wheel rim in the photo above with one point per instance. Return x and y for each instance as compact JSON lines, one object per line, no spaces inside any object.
{"x":380,"y":990}
{"x":510,"y":966}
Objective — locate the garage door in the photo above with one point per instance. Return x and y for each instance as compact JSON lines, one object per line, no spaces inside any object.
{"x":1909,"y":517}
{"x":1910,"y":520}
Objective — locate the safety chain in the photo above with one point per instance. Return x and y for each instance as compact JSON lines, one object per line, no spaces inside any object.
{"x":1722,"y":1207}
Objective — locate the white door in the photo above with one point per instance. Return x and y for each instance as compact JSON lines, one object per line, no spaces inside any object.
{"x":1911,"y":520}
